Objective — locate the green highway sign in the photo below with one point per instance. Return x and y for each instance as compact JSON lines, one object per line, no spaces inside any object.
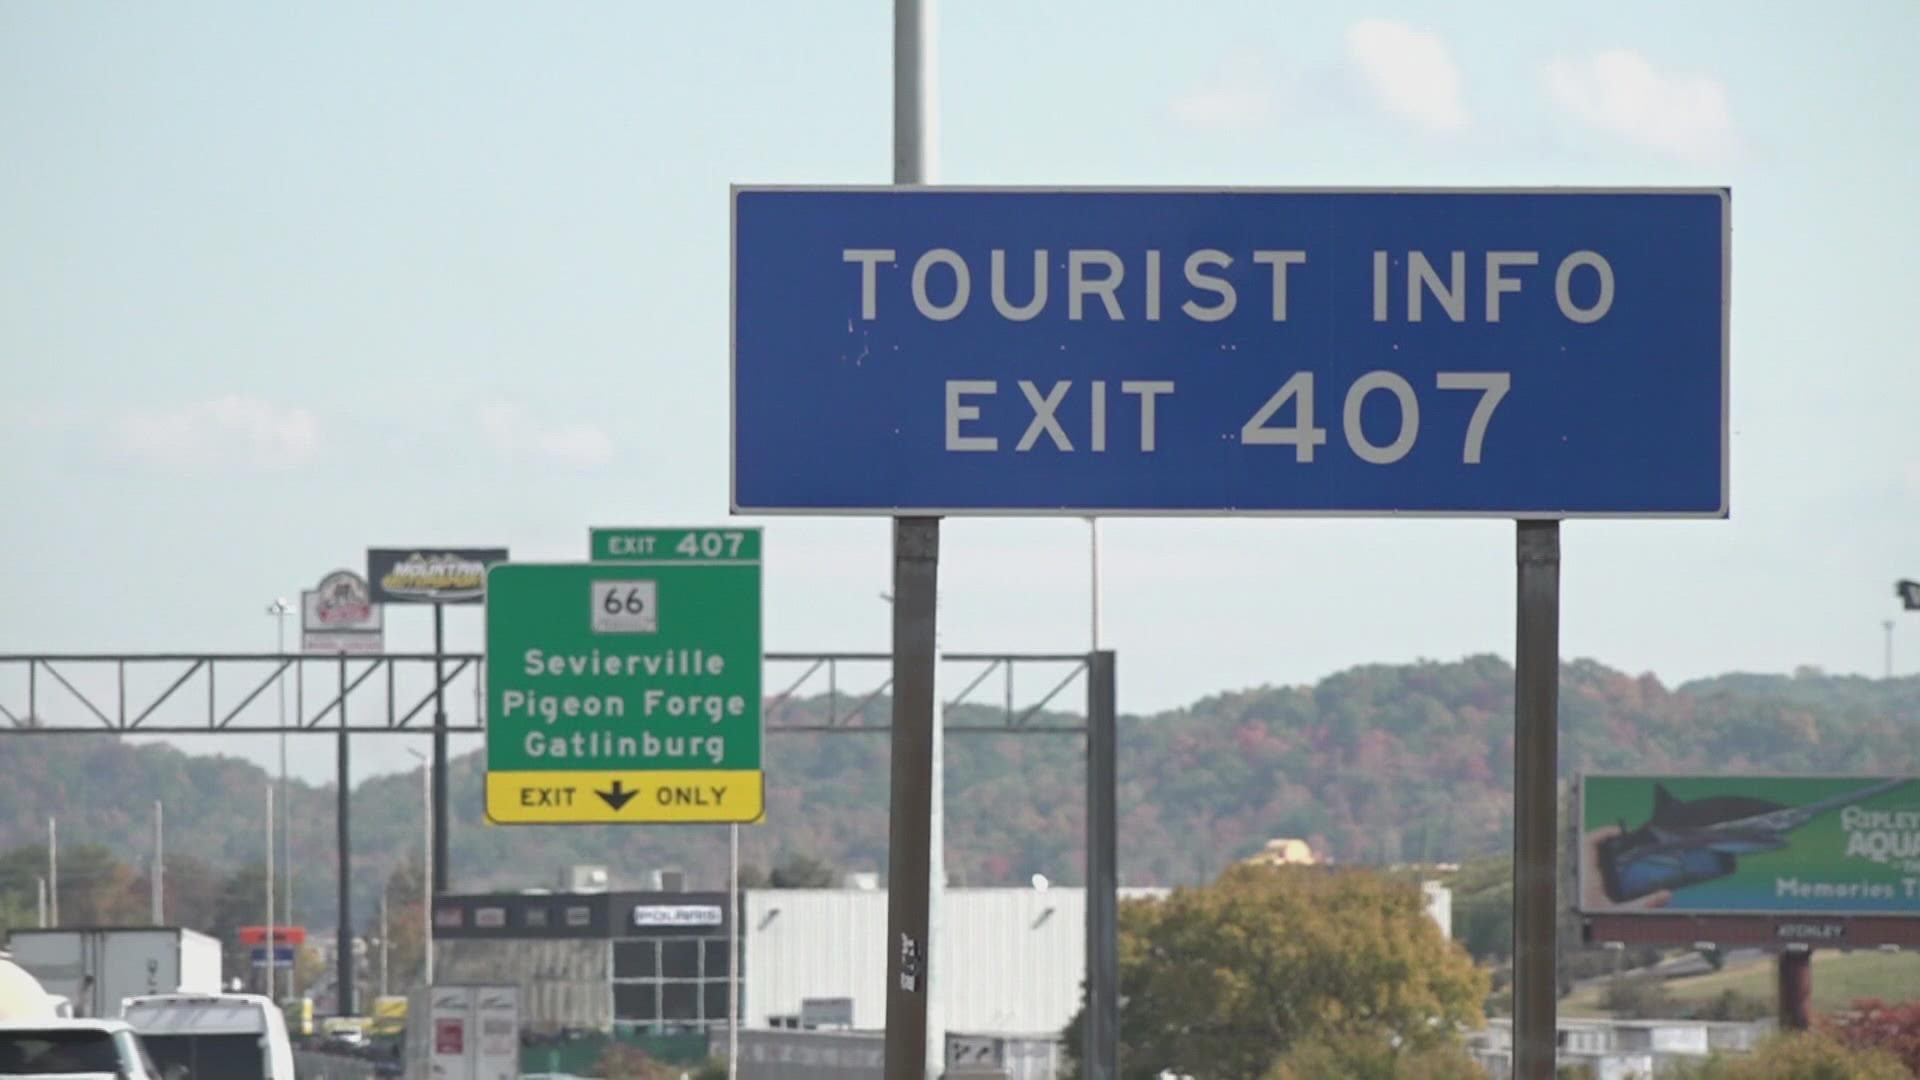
{"x":677,"y":545}
{"x":625,"y":691}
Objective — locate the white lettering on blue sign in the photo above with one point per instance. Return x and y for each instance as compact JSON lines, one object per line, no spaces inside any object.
{"x":1463,"y":353}
{"x":1099,"y":274}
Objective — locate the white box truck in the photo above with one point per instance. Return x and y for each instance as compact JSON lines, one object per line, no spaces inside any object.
{"x":463,"y":1032}
{"x":97,"y":968}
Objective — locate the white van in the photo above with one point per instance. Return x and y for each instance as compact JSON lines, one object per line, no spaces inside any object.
{"x":236,"y":1036}
{"x":107,"y":1049}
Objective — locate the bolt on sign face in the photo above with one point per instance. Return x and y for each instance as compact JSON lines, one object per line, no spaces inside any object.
{"x":625,"y":692}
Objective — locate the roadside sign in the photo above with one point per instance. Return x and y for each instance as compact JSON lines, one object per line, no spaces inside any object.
{"x":625,"y":691}
{"x":282,"y":956}
{"x":1464,"y":353}
{"x":339,"y":615}
{"x":1653,"y":846}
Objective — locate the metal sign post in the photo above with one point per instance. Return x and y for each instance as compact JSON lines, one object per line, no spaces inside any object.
{"x":436,"y":576}
{"x":1535,"y":804}
{"x":916,"y":575}
{"x":1101,"y":1049}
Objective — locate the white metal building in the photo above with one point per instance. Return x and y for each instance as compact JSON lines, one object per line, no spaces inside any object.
{"x":1010,"y":960}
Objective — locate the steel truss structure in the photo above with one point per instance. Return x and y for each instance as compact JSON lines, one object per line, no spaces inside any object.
{"x":77,"y":682}
{"x":104,"y":694}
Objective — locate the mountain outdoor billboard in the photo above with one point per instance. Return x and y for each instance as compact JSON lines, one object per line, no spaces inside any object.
{"x":430,"y":575}
{"x":1750,"y":845}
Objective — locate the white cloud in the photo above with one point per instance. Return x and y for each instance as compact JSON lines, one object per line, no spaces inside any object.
{"x":513,"y":432}
{"x":1618,"y":91}
{"x":232,"y":429}
{"x":1239,"y":98}
{"x":1410,"y":72}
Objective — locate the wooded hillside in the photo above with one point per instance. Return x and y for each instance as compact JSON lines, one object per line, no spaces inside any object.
{"x":1376,"y":763}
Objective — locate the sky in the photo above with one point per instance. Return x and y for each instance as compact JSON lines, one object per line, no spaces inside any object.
{"x":281,"y":282}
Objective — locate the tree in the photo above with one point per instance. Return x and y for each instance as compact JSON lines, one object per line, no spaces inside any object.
{"x":1795,"y":1055}
{"x":1638,"y":997}
{"x":21,"y":871}
{"x":310,"y":969}
{"x":102,"y":890}
{"x":406,"y":926}
{"x":1875,"y":1024}
{"x":624,"y":1061}
{"x":1357,"y":1057}
{"x":242,"y":902}
{"x":193,"y":888}
{"x":803,"y":872}
{"x":1226,"y":979}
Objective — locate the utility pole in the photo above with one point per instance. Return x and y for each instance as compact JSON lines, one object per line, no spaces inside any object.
{"x":1093,"y":584}
{"x":426,"y":895}
{"x":343,"y":825}
{"x":268,"y":970}
{"x":53,"y":870}
{"x":159,"y":867}
{"x":1887,"y":625}
{"x":280,"y":609}
{"x":426,"y":898}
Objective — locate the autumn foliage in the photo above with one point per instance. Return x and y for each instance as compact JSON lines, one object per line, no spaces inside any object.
{"x":1228,"y":978}
{"x":1875,"y":1024}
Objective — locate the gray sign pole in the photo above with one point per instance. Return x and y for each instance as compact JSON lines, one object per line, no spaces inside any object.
{"x":1101,"y":1036}
{"x":1536,"y":758}
{"x":916,"y":575}
{"x":343,"y":815}
{"x":916,"y":562}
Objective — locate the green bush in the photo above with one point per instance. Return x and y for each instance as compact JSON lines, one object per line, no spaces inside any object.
{"x":1797,"y":1055}
{"x":624,"y":1061}
{"x":1732,"y":1005}
{"x":1370,"y":1057}
{"x":1639,"y":997}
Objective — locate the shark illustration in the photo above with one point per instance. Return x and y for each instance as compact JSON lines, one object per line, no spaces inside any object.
{"x":1687,"y":841}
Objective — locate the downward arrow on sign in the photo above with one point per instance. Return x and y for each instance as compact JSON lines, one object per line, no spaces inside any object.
{"x":618,"y":797}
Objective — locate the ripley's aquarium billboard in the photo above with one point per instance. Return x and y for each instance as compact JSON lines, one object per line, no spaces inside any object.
{"x":1749,"y":845}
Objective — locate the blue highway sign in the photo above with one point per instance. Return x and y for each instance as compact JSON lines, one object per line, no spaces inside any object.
{"x":1500,"y":353}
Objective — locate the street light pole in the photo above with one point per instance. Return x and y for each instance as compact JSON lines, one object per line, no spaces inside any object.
{"x":426,"y":895}
{"x":1093,"y":583}
{"x":280,"y":609}
{"x":267,"y":970}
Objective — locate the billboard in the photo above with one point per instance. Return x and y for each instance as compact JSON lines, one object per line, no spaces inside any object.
{"x":339,"y":615}
{"x":430,"y":575}
{"x":1749,"y":845}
